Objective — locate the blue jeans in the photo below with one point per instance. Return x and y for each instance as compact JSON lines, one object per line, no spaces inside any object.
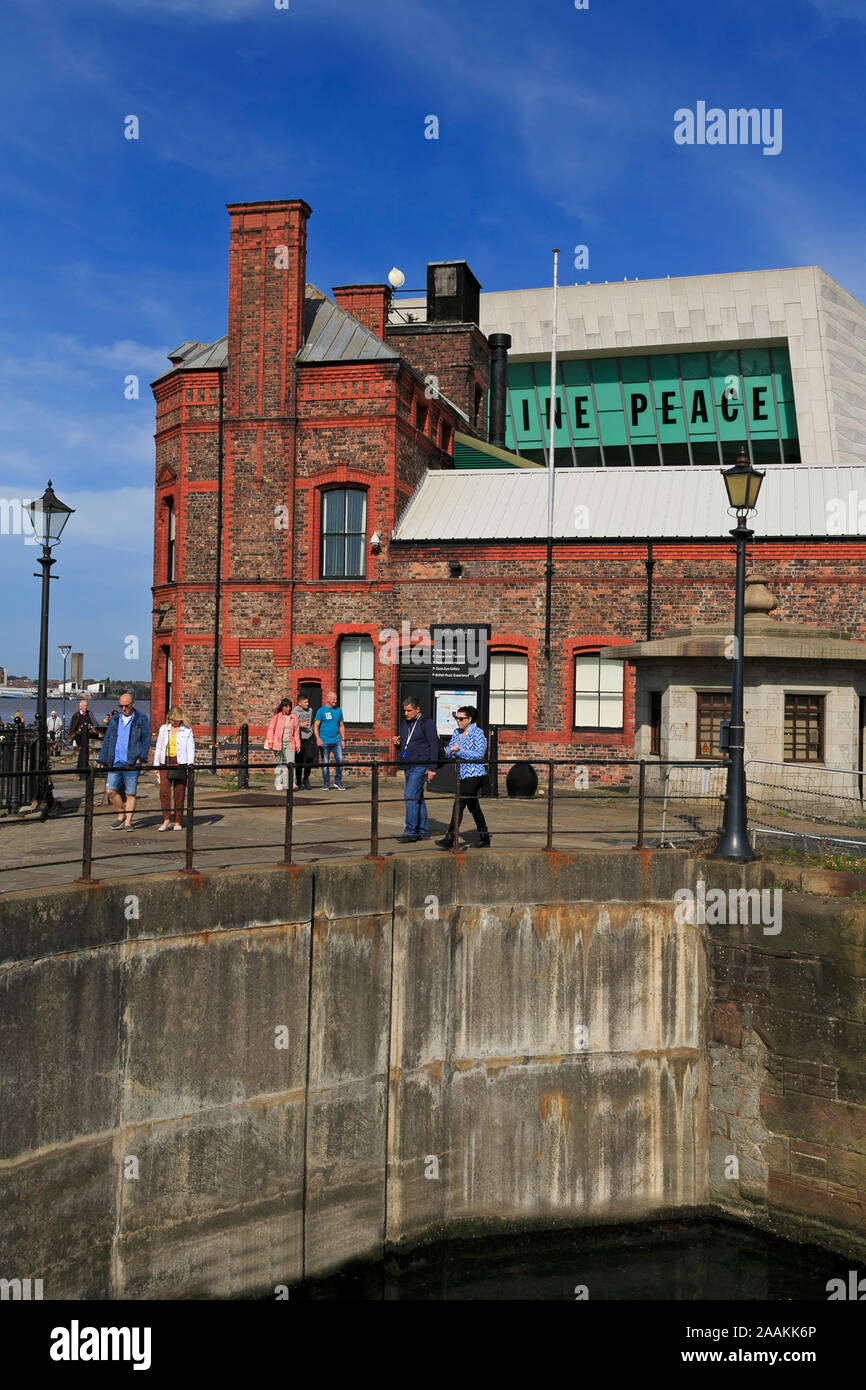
{"x":416,"y":806}
{"x":128,"y":776}
{"x":326,"y":750}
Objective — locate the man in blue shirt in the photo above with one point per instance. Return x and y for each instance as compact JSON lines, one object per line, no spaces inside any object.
{"x":330,"y":734}
{"x":468,"y":746}
{"x":419,"y":754}
{"x":124,"y":749}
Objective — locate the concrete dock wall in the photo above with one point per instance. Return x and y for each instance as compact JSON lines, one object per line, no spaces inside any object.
{"x":214,"y":1084}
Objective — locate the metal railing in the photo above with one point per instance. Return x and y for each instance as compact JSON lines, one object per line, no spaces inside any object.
{"x":622,"y":811}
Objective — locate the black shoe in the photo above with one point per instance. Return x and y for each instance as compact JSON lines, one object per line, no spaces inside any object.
{"x":406,"y":839}
{"x":483,"y":842}
{"x":447,"y":843}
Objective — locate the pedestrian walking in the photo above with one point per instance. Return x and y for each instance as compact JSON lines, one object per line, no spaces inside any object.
{"x":284,"y":738}
{"x":124,"y":748}
{"x":53,"y":727}
{"x":330,"y":731}
{"x":307,"y":756}
{"x":468,"y":746}
{"x":173,"y":756}
{"x":81,"y":726}
{"x":419,"y":754}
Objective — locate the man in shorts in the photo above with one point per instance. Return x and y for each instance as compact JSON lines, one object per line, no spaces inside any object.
{"x":124,"y":749}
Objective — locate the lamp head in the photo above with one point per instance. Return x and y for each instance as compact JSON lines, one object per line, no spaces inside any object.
{"x":48,"y":516}
{"x":743,"y":483}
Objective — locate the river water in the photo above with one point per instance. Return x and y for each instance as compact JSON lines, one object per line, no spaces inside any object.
{"x":98,"y":707}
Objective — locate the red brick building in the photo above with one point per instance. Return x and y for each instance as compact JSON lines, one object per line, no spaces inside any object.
{"x":308,"y":500}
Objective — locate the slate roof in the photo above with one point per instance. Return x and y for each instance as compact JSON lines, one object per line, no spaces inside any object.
{"x":330,"y":335}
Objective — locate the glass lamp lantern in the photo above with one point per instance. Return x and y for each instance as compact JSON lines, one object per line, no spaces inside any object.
{"x":48,"y":516}
{"x":743,"y":483}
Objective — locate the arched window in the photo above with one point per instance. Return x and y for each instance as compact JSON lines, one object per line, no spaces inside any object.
{"x":509,"y":689}
{"x":598,"y":691}
{"x":356,"y":680}
{"x":344,"y":530}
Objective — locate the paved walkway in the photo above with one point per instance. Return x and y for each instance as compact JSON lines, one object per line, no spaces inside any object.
{"x":234,"y":828}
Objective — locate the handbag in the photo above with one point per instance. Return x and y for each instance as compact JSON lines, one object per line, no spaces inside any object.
{"x":174,"y":771}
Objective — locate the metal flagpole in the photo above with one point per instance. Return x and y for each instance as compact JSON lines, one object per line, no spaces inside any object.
{"x":551,"y":455}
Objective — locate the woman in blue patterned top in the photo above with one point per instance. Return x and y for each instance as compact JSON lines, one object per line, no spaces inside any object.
{"x":469,"y":746}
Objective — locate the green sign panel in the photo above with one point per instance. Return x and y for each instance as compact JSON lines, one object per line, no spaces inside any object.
{"x":666,"y":408}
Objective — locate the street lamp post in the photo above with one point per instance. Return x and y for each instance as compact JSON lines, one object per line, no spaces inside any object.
{"x":743,"y":483}
{"x":64,"y":650}
{"x":48,"y":516}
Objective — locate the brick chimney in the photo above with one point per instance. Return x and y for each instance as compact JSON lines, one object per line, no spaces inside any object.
{"x":267,"y":275}
{"x":366,"y":303}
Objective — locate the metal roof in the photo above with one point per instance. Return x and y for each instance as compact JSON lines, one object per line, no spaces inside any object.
{"x":332,"y":335}
{"x":628,"y":503}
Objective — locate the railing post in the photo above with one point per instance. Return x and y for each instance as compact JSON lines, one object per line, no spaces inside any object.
{"x":374,"y":811}
{"x":17,"y":766}
{"x":494,"y":761}
{"x":641,"y":786}
{"x":244,"y":758}
{"x":190,"y":812}
{"x":455,"y":815}
{"x":290,"y":811}
{"x":549,"y":844}
{"x":87,"y":846}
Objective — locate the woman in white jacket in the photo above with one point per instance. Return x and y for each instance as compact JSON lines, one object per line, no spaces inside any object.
{"x":173,"y":756}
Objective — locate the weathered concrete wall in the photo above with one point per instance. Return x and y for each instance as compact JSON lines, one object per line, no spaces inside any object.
{"x":492,"y":1038}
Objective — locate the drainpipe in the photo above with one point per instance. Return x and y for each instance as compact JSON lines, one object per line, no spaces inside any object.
{"x":649,"y":562}
{"x":218,"y":576}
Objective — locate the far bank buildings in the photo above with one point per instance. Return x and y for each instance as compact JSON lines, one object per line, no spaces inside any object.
{"x":333,"y":485}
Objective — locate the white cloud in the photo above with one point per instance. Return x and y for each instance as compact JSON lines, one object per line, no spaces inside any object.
{"x":840,"y":9}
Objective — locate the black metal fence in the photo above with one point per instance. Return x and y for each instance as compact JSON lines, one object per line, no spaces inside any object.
{"x":639,"y":810}
{"x":19,"y":755}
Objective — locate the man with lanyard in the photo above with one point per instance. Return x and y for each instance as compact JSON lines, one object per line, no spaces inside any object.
{"x":468,"y":746}
{"x":124,"y":748}
{"x":420,"y":757}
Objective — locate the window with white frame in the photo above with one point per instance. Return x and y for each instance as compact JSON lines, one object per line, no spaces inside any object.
{"x":509,"y":689}
{"x":598,"y":691}
{"x":344,"y":524}
{"x":356,"y":679}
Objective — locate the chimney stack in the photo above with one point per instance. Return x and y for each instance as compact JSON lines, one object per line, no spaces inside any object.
{"x":367,"y":303}
{"x":267,"y":279}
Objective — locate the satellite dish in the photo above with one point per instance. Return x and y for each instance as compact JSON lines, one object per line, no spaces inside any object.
{"x":396,"y":278}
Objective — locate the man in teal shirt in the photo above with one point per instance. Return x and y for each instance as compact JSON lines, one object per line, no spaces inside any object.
{"x":330,"y":734}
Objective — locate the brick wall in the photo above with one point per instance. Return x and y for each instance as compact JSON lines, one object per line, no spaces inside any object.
{"x":788,"y":1067}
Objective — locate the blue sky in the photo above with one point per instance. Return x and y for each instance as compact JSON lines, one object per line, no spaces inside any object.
{"x":555,"y":128}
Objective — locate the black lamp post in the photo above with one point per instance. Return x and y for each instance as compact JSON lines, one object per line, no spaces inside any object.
{"x":743,"y":483}
{"x":48,"y":516}
{"x":64,"y":650}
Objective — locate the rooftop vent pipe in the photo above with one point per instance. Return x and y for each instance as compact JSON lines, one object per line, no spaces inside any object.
{"x":499,"y":345}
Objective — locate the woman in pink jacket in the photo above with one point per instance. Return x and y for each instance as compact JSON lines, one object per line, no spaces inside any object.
{"x":284,"y":737}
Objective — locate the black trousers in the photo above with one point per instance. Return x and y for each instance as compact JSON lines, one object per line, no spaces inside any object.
{"x":469,"y":801}
{"x":305,"y":760}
